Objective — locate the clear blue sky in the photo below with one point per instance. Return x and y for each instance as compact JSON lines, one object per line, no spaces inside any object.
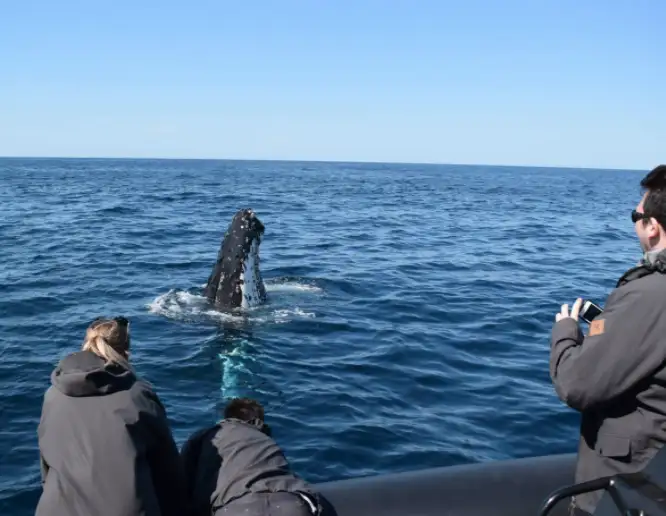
{"x":531,"y":82}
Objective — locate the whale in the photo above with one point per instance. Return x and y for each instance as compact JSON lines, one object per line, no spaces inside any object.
{"x":235,"y":281}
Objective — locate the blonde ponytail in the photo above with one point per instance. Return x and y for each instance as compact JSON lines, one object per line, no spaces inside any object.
{"x":108,"y":340}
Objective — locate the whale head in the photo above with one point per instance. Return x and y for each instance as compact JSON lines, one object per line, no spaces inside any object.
{"x":235,"y":281}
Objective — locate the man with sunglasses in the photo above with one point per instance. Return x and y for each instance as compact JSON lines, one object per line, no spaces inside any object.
{"x":615,"y":376}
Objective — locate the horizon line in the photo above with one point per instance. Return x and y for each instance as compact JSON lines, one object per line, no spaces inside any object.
{"x":326,"y":161}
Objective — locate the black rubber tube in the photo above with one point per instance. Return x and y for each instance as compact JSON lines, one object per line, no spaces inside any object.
{"x":516,"y":487}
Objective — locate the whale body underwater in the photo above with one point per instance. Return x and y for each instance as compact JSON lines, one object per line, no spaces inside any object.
{"x":235,"y":281}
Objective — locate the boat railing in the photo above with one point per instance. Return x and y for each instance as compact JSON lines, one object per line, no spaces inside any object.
{"x":642,"y":493}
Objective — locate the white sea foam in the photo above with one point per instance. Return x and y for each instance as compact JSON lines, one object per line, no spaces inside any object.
{"x":183,"y":305}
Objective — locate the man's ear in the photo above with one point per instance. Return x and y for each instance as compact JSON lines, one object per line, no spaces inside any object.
{"x":653,"y":227}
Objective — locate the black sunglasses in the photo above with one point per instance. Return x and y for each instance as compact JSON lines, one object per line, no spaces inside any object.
{"x":122,"y":321}
{"x":636,"y":216}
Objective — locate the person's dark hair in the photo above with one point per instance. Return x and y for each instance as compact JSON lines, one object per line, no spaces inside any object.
{"x":245,"y":409}
{"x":655,"y":201}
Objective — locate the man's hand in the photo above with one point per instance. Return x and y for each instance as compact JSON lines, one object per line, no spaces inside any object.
{"x":575,"y":309}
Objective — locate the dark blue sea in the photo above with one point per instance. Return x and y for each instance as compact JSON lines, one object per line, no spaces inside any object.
{"x":409,"y":312}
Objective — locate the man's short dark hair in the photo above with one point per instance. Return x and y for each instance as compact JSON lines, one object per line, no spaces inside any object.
{"x":245,"y":409}
{"x":655,"y":201}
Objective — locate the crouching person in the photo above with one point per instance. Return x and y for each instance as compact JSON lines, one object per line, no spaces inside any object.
{"x":235,"y":467}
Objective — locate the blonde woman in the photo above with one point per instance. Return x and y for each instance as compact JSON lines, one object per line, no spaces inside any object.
{"x":105,"y":443}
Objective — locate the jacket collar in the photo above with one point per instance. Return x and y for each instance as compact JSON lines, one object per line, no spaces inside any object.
{"x":652,"y":261}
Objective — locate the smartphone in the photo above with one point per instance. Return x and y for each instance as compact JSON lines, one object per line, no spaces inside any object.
{"x":589,"y":311}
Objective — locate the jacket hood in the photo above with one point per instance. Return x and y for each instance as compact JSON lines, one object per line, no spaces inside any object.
{"x":85,"y":374}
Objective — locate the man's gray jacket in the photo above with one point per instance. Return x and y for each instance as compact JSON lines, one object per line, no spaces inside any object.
{"x":235,"y":459}
{"x":615,"y":377}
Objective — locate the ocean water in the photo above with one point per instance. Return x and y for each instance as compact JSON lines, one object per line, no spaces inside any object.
{"x":409,"y":312}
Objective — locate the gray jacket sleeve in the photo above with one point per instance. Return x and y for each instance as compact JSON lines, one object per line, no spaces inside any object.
{"x":165,"y":463}
{"x":625,"y":345}
{"x":190,"y":454}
